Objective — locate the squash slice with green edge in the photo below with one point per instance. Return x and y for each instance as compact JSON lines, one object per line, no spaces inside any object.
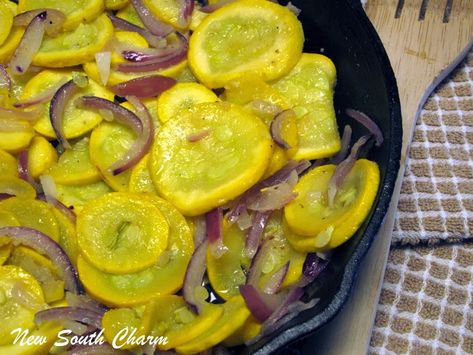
{"x":229,"y":155}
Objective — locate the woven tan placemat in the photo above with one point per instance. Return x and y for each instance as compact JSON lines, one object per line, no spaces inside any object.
{"x":436,"y":202}
{"x":426,"y":303}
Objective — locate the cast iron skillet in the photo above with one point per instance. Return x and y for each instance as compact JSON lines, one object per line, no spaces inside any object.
{"x":365,"y":81}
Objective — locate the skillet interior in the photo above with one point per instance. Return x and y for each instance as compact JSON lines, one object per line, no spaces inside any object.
{"x":365,"y":81}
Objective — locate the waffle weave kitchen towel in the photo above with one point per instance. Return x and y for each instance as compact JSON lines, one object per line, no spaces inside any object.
{"x":436,"y":202}
{"x":426,"y":303}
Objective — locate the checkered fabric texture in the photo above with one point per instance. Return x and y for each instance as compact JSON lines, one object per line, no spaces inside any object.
{"x":436,"y":202}
{"x":426,"y":303}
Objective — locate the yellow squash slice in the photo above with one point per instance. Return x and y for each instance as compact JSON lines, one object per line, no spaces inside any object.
{"x":234,"y":316}
{"x":6,"y":19}
{"x":33,"y":214}
{"x":182,"y":96}
{"x":76,"y":12}
{"x":166,"y":277}
{"x":8,"y":164}
{"x":209,"y":156}
{"x":248,"y":37}
{"x":329,"y":226}
{"x":75,"y":47}
{"x":77,"y":121}
{"x":14,"y":313}
{"x":74,"y":166}
{"x":115,"y":235}
{"x":308,"y":89}
{"x":41,"y":156}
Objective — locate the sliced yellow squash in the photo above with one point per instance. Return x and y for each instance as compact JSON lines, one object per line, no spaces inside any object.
{"x":209,"y":156}
{"x":75,"y":47}
{"x":115,"y":235}
{"x":329,"y":226}
{"x":248,"y":37}
{"x":76,"y":12}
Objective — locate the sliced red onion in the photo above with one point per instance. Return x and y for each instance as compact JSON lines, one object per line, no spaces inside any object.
{"x":342,"y":169}
{"x":103,"y":60}
{"x":176,"y":54}
{"x":29,"y":44}
{"x":120,"y":113}
{"x":294,"y":9}
{"x":145,"y":86}
{"x":256,"y":231}
{"x":99,"y":349}
{"x":261,"y":306}
{"x":149,"y":54}
{"x":293,"y":310}
{"x":272,"y":198}
{"x":215,"y":6}
{"x":30,"y":116}
{"x":200,"y":230}
{"x":275,"y":281}
{"x":196,"y":137}
{"x":278,"y":177}
{"x":313,"y":266}
{"x":142,"y":144}
{"x":59,"y":205}
{"x":342,"y":154}
{"x":213,"y":222}
{"x":53,"y":24}
{"x":194,"y":276}
{"x":44,"y":245}
{"x":185,"y":13}
{"x":256,"y":266}
{"x":151,"y":22}
{"x":124,"y":25}
{"x":57,"y":108}
{"x":24,"y":171}
{"x":84,"y":301}
{"x":368,"y":123}
{"x":5,"y":80}
{"x":292,"y":296}
{"x":277,"y":125}
{"x":82,"y":315}
{"x":5,"y":195}
{"x":43,"y":96}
